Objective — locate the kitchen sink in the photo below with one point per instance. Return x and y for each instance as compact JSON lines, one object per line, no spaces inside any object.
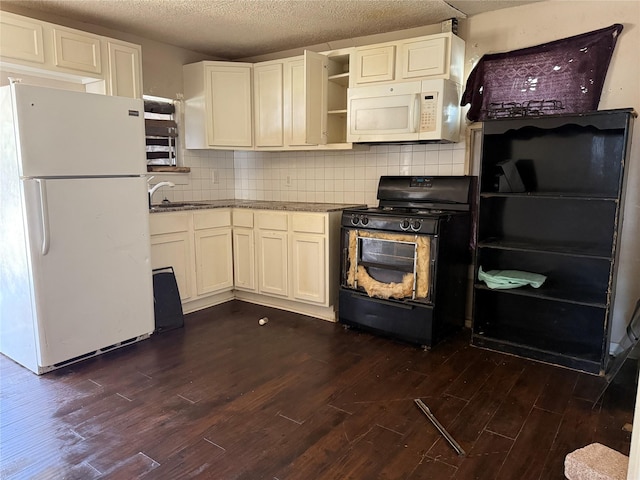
{"x":160,"y":206}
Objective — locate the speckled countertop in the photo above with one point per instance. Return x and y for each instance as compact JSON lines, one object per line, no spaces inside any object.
{"x":253,"y":204}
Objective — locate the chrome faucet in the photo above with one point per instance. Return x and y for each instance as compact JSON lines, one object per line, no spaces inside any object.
{"x":153,"y":189}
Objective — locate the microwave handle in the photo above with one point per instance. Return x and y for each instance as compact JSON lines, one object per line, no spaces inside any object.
{"x":414,"y":113}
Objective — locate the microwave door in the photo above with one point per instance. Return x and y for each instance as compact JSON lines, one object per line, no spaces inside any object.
{"x":378,"y":118}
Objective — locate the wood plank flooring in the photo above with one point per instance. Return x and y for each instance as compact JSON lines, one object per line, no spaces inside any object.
{"x":300,"y":398}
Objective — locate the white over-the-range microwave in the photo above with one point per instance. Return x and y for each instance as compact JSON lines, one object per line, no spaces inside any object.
{"x":426,"y":110}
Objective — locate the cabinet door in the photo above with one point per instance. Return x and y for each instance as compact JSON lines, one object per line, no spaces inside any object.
{"x":305,"y":101}
{"x":423,"y":58}
{"x":309,"y":268}
{"x":268,"y":104}
{"x":125,"y":72}
{"x":375,"y":64}
{"x":244,"y":266}
{"x":295,"y":103}
{"x":76,"y":50}
{"x":214,"y":267}
{"x":174,"y":250}
{"x":228,"y":104}
{"x":272,"y":262}
{"x":21,"y":38}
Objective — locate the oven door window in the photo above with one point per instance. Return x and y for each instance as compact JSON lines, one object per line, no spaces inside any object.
{"x":387,"y":265}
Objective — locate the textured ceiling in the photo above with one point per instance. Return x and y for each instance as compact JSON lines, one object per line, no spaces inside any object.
{"x":233,"y":29}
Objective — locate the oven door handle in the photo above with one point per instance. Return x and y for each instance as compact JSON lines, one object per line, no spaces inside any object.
{"x":386,"y":302}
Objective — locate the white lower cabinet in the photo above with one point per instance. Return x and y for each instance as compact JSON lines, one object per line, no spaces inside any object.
{"x":287,"y":260}
{"x":244,"y":259}
{"x":308,"y":263}
{"x":273,"y":253}
{"x":171,"y":246}
{"x":244,"y":250}
{"x":297,"y":260}
{"x":174,"y":250}
{"x":198,"y":245}
{"x":213,"y":250}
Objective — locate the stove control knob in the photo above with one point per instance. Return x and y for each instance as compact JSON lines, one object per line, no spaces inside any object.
{"x":364,"y":220}
{"x":416,"y":224}
{"x":354,"y":219}
{"x":404,"y":224}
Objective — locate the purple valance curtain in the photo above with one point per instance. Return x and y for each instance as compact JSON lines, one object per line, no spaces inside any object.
{"x":563,"y":76}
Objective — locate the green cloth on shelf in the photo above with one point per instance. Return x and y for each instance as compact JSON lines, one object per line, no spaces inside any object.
{"x":502,"y":279}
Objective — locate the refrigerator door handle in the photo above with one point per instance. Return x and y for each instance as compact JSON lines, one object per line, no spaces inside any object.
{"x":44,"y":216}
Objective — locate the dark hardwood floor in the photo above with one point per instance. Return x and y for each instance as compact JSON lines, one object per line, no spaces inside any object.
{"x":300,"y":398}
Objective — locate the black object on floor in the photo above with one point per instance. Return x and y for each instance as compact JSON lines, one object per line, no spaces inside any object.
{"x":166,"y":300}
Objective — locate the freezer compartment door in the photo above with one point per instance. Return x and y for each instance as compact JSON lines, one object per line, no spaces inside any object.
{"x":89,"y":247}
{"x":66,"y":133}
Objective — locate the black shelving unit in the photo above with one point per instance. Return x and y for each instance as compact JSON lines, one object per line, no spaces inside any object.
{"x":565,"y":225}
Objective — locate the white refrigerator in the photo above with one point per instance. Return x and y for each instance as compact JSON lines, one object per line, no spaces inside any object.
{"x":75,"y":272}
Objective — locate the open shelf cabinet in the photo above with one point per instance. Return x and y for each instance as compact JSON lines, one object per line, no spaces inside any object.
{"x":562,"y":220}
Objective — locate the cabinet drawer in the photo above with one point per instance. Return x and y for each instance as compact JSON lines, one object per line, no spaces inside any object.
{"x":243,"y":218}
{"x":211,"y":219}
{"x":168,"y":223}
{"x":308,"y":223}
{"x":272,"y":221}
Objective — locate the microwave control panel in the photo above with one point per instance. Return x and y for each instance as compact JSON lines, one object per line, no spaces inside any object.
{"x":428,"y":109}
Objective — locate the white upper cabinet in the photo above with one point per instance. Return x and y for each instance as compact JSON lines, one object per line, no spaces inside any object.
{"x":124,"y":74}
{"x":218,"y":105}
{"x":423,"y":58}
{"x":309,"y":95}
{"x":268,"y":116}
{"x":98,"y":64}
{"x":429,"y":57}
{"x":77,"y":50}
{"x":290,"y":102}
{"x":375,"y":64}
{"x":21,"y":38}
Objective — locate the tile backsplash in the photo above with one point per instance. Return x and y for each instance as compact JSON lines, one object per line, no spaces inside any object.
{"x":316,"y":176}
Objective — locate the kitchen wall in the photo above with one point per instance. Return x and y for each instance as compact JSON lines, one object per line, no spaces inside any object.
{"x":321,"y":176}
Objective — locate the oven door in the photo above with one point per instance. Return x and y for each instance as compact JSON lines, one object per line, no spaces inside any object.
{"x":388,"y":265}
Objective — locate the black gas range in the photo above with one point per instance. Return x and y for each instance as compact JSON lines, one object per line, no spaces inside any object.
{"x":405,"y":262}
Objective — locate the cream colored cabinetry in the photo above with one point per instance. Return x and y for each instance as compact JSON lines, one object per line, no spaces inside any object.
{"x":124,"y":72}
{"x":21,"y":39}
{"x":102,"y":65}
{"x":218,"y":105}
{"x":309,"y":266}
{"x":272,"y":241}
{"x":296,"y":260}
{"x":268,"y":94}
{"x":375,"y":64}
{"x":213,"y":251}
{"x":286,"y":260}
{"x":432,"y":56}
{"x":76,"y":50}
{"x":290,"y":102}
{"x":198,"y":245}
{"x":244,"y":257}
{"x":171,"y":246}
